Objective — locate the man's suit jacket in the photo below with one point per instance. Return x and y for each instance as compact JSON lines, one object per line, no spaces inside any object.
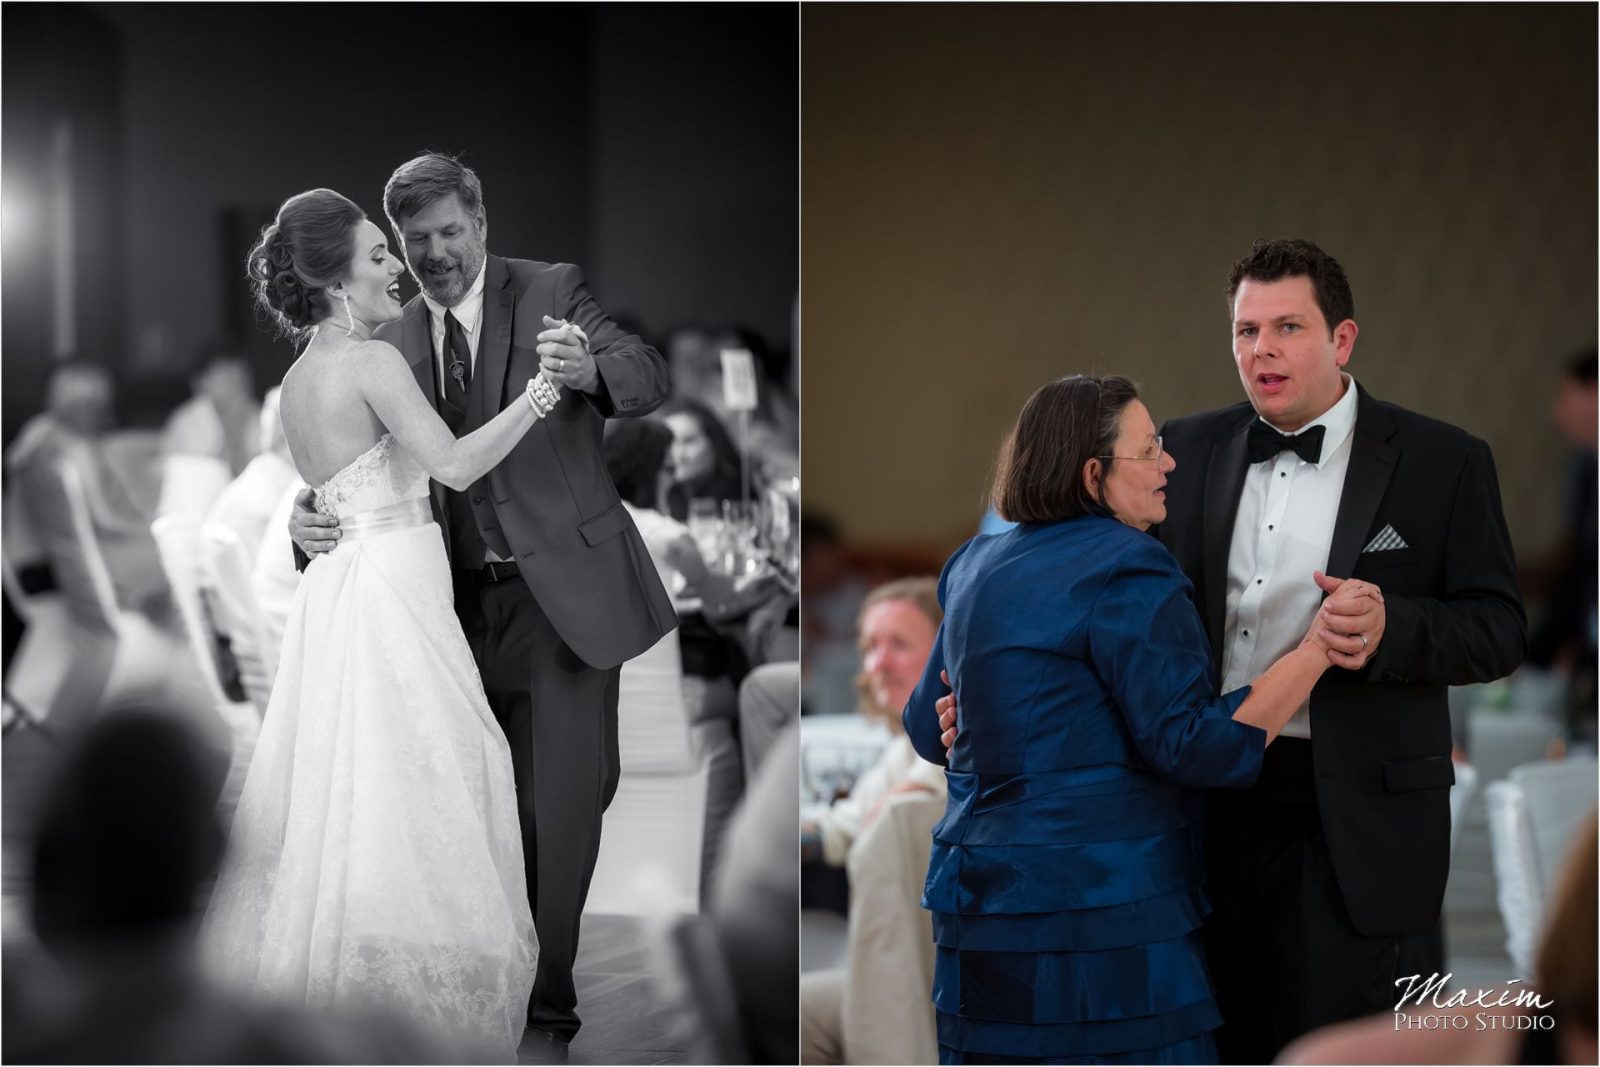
{"x":1380,"y":735}
{"x":550,"y":505}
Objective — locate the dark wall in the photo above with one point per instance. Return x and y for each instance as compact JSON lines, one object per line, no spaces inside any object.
{"x":996,"y":195}
{"x":62,"y":165}
{"x":603,"y":136}
{"x":696,"y":175}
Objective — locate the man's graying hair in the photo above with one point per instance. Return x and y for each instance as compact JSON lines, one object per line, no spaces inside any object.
{"x":1276,"y":258}
{"x":431,"y":176}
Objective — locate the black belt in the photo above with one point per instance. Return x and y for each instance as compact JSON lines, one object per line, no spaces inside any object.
{"x":490,"y":573}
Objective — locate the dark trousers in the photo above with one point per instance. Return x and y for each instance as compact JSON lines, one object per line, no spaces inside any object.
{"x":560,"y":718}
{"x":1283,"y":952}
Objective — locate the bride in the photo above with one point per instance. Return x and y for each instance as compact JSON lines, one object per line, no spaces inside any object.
{"x":375,"y":856}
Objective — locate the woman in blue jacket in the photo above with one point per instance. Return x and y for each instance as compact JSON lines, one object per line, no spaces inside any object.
{"x":1066,"y":876}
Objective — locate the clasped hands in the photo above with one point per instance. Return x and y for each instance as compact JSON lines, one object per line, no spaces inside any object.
{"x":1348,"y":627}
{"x":564,"y":355}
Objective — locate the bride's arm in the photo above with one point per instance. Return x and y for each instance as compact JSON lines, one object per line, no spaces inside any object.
{"x":388,"y":386}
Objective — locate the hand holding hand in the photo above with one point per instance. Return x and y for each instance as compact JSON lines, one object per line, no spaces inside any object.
{"x":564,"y":355}
{"x":309,"y":529}
{"x":1353,"y":619}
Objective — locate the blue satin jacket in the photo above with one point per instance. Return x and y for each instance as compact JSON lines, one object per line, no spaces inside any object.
{"x":1087,"y":726}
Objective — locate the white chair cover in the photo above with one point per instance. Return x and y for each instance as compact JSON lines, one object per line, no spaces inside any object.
{"x":649,"y":862}
{"x":178,"y":541}
{"x":234,"y":601}
{"x":191,"y":484}
{"x":1533,"y":816}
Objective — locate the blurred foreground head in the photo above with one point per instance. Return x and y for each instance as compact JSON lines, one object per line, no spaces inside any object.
{"x":127,"y":835}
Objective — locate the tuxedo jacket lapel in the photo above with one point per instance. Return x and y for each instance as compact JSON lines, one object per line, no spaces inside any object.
{"x":494,"y":344}
{"x":1372,"y":461}
{"x":1224,"y":482}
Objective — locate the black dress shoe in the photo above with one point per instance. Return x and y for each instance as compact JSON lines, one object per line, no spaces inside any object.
{"x":541,"y":1046}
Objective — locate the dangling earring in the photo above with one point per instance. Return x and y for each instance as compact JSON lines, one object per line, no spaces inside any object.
{"x":350,"y":320}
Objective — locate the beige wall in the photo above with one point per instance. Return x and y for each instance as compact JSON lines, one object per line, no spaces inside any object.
{"x":994,"y":196}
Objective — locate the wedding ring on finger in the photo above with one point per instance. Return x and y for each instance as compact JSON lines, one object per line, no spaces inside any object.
{"x":1363,"y":641}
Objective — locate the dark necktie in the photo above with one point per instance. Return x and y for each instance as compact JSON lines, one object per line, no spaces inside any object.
{"x":1265,"y":443}
{"x":457,"y":371}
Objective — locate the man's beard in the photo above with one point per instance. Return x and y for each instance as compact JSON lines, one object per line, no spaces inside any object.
{"x":449,"y":290}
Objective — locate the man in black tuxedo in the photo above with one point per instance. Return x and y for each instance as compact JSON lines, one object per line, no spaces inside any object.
{"x":1328,"y":874}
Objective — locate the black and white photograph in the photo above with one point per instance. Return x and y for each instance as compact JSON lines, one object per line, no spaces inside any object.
{"x":401,"y":533}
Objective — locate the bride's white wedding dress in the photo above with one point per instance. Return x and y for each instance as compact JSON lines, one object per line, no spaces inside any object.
{"x":375,"y":856}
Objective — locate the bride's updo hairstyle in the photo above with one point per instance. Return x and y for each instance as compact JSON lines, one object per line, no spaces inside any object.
{"x":300,"y":255}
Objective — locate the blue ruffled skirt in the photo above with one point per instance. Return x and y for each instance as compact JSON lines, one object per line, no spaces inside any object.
{"x":1067,"y":911}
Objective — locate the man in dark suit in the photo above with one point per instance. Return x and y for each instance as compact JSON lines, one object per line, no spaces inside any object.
{"x":1329,"y":873}
{"x":554,"y":586}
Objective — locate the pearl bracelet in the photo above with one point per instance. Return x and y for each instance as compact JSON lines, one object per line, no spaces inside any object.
{"x":542,"y":395}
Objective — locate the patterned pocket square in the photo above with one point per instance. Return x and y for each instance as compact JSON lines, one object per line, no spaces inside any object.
{"x":1386,"y":541}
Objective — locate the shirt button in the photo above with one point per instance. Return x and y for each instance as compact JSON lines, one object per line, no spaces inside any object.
{"x":1283,"y":474}
{"x":1271,"y":527}
{"x":1247,"y":633}
{"x":1258,"y":581}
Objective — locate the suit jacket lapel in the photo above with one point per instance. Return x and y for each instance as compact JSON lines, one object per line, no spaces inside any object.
{"x":1224,"y":483}
{"x":416,"y":344}
{"x":494,"y":344}
{"x":1372,"y":461}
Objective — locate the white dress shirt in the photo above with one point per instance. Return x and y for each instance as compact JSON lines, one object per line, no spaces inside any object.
{"x":1282,"y":533}
{"x":469,"y":312}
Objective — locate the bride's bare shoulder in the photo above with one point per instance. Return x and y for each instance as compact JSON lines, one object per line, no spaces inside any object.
{"x":379,"y":351}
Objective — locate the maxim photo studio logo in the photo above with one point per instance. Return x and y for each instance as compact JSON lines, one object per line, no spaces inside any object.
{"x":1476,"y":1009}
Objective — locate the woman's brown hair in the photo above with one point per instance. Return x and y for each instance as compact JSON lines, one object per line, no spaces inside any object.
{"x":1066,"y":423}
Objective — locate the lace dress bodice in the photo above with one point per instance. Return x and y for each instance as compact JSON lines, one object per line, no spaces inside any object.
{"x":383,"y":475}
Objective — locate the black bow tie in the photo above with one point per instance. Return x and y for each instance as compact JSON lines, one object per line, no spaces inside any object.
{"x":1265,"y":442}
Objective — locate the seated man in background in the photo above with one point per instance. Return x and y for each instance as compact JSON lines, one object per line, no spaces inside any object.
{"x":70,"y":431}
{"x":875,"y":1009}
{"x":210,"y":437}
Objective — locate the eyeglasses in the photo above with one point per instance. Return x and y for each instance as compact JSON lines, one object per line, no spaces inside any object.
{"x":1143,"y":459}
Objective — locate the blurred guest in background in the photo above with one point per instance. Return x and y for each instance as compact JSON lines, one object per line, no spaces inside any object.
{"x":126,"y":841}
{"x":716,"y":612}
{"x":828,"y":614}
{"x":705,"y":461}
{"x":71,"y":431}
{"x":696,"y":367}
{"x":754,"y":903}
{"x":875,"y":1008}
{"x":211,"y":436}
{"x":899,"y":620}
{"x":245,"y":506}
{"x":769,"y":701}
{"x":1564,"y":637}
{"x":220,"y":420}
